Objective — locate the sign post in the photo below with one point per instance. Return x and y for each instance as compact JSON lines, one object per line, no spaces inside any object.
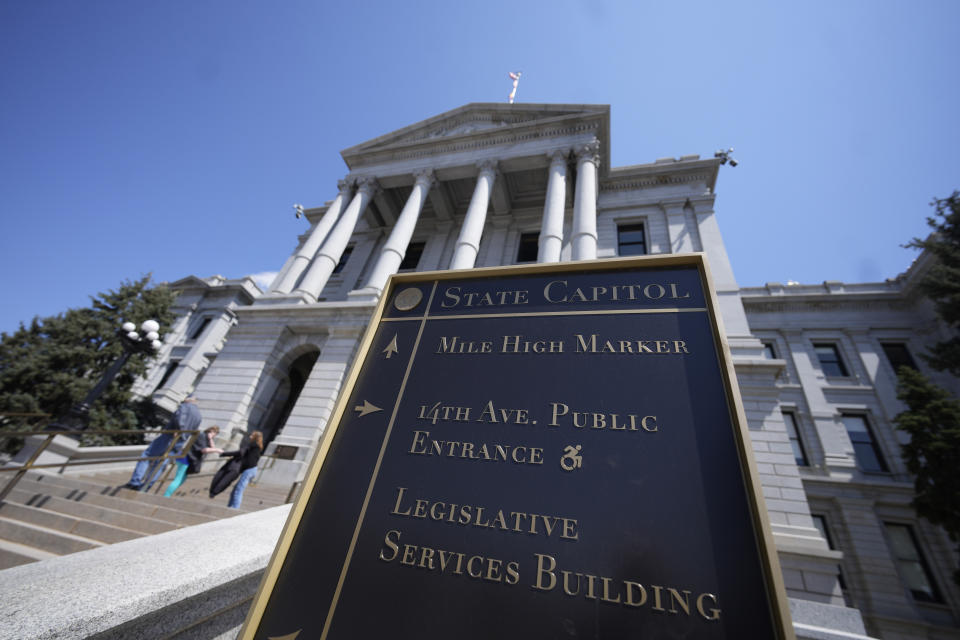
{"x":533,"y":452}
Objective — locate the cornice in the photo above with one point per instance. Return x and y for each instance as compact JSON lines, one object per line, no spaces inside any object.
{"x":885,"y":484}
{"x":520,"y":123}
{"x":216,"y":284}
{"x":470,"y":142}
{"x":327,"y":309}
{"x":476,"y":112}
{"x":643,"y":176}
{"x":887,"y":302}
{"x":645,"y":182}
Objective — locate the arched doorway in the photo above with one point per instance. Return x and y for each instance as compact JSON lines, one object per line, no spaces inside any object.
{"x":287,"y":393}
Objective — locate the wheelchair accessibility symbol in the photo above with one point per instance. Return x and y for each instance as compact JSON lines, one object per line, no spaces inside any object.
{"x":571,"y":458}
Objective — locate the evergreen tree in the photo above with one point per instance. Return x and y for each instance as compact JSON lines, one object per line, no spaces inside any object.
{"x":932,"y":417}
{"x":942,"y":282}
{"x":51,"y":364}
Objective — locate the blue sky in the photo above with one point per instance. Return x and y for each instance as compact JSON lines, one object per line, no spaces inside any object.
{"x":172,"y":138}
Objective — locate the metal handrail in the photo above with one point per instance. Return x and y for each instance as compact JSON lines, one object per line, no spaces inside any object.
{"x":21,"y":471}
{"x":7,"y":414}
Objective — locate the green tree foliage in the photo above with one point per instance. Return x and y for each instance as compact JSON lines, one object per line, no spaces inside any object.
{"x":932,"y":417}
{"x":52,"y":363}
{"x":942,"y":282}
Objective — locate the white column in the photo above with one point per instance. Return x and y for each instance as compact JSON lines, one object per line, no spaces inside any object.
{"x":494,"y":253}
{"x":332,"y":249}
{"x":303,"y":257}
{"x":396,"y":246}
{"x":584,"y":234}
{"x":551,"y":230}
{"x":468,"y":243}
{"x":277,"y":279}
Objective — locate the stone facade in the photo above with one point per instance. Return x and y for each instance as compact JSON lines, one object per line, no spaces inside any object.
{"x":855,"y":481}
{"x":205,"y":311}
{"x":497,"y":184}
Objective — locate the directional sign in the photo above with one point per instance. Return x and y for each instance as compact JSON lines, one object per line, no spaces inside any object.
{"x":548,"y":451}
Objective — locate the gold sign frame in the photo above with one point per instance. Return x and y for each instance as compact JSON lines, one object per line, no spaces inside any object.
{"x":780,"y":612}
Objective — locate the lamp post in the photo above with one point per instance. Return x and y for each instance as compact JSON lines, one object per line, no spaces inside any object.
{"x":76,"y":419}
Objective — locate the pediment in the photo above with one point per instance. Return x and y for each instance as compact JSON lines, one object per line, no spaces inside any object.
{"x":475,"y":121}
{"x":188,"y":282}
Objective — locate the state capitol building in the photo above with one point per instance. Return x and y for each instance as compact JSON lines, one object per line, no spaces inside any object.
{"x":496,"y":184}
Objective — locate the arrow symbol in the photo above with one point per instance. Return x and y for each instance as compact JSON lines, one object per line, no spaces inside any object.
{"x":391,"y":348}
{"x":366,"y":408}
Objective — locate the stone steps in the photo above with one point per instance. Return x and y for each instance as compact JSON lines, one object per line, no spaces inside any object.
{"x":13,"y":554}
{"x":197,"y":487}
{"x":98,"y":531}
{"x":116,"y":516}
{"x":178,"y":512}
{"x":55,"y":542}
{"x":47,"y":514}
{"x":149,"y":504}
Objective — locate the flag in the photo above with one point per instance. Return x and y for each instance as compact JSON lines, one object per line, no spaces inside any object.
{"x":516,"y":79}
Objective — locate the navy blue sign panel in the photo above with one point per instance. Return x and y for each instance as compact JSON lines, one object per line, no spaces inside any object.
{"x":536,"y":452}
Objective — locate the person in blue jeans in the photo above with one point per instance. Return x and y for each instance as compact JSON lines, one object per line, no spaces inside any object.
{"x":242,"y":465}
{"x":186,"y":418}
{"x":236,"y":496}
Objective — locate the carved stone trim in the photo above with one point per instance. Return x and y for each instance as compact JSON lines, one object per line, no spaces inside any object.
{"x":506,"y":138}
{"x":559,"y":156}
{"x":631,"y":184}
{"x":776,"y":306}
{"x":489,"y":166}
{"x":468,"y":124}
{"x":426,"y":177}
{"x":589,"y":152}
{"x":367,"y":185}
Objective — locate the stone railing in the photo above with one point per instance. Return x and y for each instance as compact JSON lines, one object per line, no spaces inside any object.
{"x":193,"y":583}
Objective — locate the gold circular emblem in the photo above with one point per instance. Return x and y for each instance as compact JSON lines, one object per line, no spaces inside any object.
{"x":408,"y":299}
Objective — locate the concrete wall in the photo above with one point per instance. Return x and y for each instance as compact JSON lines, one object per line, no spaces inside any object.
{"x":190,"y":584}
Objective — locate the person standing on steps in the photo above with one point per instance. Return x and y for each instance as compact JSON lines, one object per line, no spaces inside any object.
{"x":186,"y":418}
{"x":242,"y":464}
{"x":192,"y":462}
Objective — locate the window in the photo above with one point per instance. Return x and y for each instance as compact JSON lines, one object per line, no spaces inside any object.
{"x":830,"y":361}
{"x":631,"y":240}
{"x":911,"y":564}
{"x":820,"y":522}
{"x":898,"y":355}
{"x":199,"y":330}
{"x":344,"y":257}
{"x":166,"y":374}
{"x":769,"y":352}
{"x":864,"y":445}
{"x":799,"y":454}
{"x":527,"y":250}
{"x":412,"y":256}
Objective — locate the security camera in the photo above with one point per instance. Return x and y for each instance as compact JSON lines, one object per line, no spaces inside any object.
{"x":725,"y":157}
